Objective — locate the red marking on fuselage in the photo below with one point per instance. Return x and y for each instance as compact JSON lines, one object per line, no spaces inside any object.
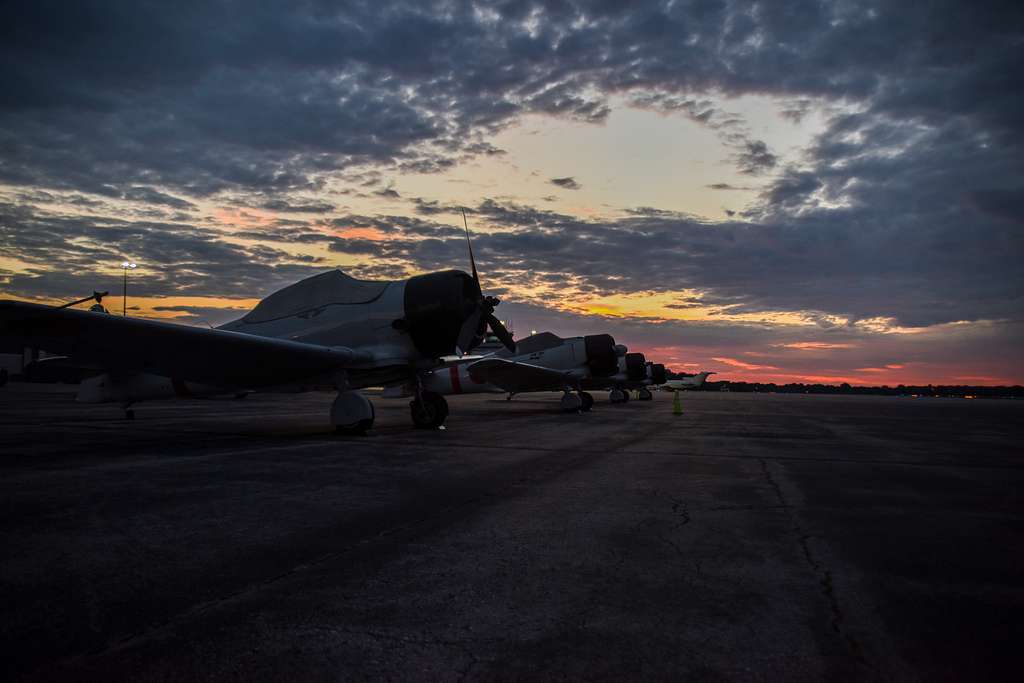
{"x":453,"y":372}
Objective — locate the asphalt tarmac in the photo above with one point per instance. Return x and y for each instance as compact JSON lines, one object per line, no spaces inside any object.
{"x":756,"y":537}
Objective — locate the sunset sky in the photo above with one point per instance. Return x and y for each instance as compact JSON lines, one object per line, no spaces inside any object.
{"x":778,"y":191}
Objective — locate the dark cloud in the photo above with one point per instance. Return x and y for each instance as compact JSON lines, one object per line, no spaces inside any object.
{"x":755,"y":158}
{"x":286,"y":206}
{"x":387,"y":193}
{"x":907,"y":205}
{"x":149,"y":195}
{"x":820,"y":260}
{"x":568,"y":183}
{"x":208,"y":98}
{"x":432,"y":207}
{"x":79,"y":254}
{"x":1005,"y":204}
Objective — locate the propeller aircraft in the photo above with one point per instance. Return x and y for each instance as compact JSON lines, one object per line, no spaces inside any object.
{"x":634,"y":372}
{"x":327,"y":332}
{"x":541,"y":362}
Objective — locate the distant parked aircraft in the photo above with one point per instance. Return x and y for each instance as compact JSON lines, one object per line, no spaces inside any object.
{"x":689,"y":382}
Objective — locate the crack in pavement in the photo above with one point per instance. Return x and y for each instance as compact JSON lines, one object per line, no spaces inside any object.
{"x":680,"y":507}
{"x":823,"y":573}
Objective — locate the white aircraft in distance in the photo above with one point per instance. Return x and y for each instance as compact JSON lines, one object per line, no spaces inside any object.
{"x":327,"y":332}
{"x":687,"y":382}
{"x":541,"y":362}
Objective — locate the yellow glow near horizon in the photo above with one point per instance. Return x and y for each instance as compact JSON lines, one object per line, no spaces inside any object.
{"x":655,"y":305}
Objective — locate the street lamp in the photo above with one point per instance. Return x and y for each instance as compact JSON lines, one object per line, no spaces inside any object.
{"x":126,"y":266}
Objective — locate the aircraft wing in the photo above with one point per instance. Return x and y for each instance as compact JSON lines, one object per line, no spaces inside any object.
{"x":517,"y":377}
{"x":129,"y":345}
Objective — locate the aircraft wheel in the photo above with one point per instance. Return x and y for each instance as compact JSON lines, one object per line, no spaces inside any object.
{"x":587,"y":401}
{"x":352,"y":413}
{"x":617,"y":396}
{"x":571,"y":403}
{"x":645,"y":395}
{"x":625,"y":397}
{"x":430,"y":412}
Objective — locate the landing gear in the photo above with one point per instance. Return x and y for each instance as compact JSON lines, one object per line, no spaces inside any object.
{"x":644,"y":395}
{"x":352,"y":413}
{"x":429,"y":411}
{"x":618,"y":396}
{"x":571,"y":403}
{"x":586,"y":401}
{"x":510,"y":395}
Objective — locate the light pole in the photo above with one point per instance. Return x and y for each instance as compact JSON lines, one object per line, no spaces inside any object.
{"x":126,"y":266}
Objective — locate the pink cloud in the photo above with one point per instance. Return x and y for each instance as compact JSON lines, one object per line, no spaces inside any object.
{"x":983,"y":378}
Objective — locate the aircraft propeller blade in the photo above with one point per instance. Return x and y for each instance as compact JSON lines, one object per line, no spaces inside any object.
{"x":500,"y":332}
{"x":476,"y":325}
{"x":470,"y":331}
{"x":95,"y":295}
{"x":469,"y":243}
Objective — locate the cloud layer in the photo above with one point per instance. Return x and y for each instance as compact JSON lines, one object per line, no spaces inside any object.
{"x":121,"y":121}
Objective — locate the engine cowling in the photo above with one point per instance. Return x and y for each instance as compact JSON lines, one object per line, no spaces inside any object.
{"x":636,"y":367}
{"x":602,"y":358}
{"x":658,"y":375}
{"x":436,"y":306}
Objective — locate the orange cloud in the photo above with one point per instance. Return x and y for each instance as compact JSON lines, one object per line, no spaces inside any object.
{"x":745,"y":366}
{"x":815,"y":346}
{"x":244,"y":218}
{"x":364,"y":233}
